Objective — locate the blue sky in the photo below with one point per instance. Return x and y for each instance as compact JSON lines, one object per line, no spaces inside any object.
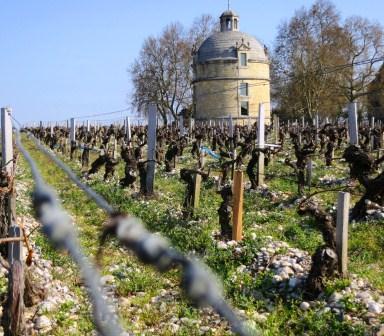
{"x":67,"y":58}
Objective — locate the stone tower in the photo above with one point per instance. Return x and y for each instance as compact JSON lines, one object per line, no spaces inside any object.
{"x":231,"y":74}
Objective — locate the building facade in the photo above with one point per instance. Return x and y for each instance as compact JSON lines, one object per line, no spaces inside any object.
{"x":231,"y":74}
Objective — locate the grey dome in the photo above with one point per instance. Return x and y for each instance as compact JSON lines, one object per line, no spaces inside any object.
{"x":222,"y":46}
{"x":229,"y":13}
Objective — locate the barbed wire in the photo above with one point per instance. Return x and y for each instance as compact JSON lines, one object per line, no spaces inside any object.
{"x":58,"y":227}
{"x":98,"y":199}
{"x":198,"y":281}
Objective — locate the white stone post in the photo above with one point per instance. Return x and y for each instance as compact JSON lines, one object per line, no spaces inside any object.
{"x":276,"y":127}
{"x":342,"y":231}
{"x":261,"y":143}
{"x":6,"y":139}
{"x":72,"y":135}
{"x":128,"y":130}
{"x":14,"y":248}
{"x":353,"y":125}
{"x":152,"y":123}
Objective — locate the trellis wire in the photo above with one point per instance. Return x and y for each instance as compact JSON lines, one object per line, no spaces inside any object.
{"x":57,"y":225}
{"x":98,"y":199}
{"x":198,"y":282}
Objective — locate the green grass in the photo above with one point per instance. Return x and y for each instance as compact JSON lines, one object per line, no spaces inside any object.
{"x":262,"y":218}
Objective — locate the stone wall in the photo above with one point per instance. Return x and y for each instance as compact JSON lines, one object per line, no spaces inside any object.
{"x":216,"y":92}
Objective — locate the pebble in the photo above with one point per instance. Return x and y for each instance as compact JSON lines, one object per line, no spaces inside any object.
{"x":260,"y":317}
{"x":374,"y":307}
{"x":325,"y":310}
{"x":297,"y":268}
{"x":174,"y":328}
{"x":205,"y":329}
{"x":163,"y":307}
{"x":364,"y":296}
{"x":241,"y":268}
{"x":46,"y":306}
{"x":292,"y":282}
{"x":222,"y":245}
{"x":276,"y":278}
{"x":285,"y":270}
{"x":232,"y":243}
{"x":42,"y":322}
{"x":335,"y":297}
{"x":305,"y":306}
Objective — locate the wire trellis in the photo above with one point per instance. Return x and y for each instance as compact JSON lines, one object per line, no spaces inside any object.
{"x":198,"y":281}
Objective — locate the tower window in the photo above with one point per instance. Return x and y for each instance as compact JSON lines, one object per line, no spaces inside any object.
{"x":235,"y":23}
{"x":243,"y":59}
{"x":244,"y":89}
{"x":244,"y":108}
{"x":229,"y":24}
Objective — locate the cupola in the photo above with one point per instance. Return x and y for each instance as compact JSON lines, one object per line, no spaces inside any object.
{"x":229,"y":21}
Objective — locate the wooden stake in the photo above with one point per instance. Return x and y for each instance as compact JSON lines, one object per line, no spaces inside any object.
{"x":309,"y":173}
{"x":237,"y":229}
{"x":196,"y":191}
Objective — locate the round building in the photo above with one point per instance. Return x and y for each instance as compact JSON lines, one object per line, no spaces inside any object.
{"x":231,"y":74}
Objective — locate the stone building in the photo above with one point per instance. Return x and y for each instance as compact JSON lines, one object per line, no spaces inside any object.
{"x":231,"y":74}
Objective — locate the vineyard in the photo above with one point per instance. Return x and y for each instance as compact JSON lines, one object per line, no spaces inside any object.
{"x":215,"y":227}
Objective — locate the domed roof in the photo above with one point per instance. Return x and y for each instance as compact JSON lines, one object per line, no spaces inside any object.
{"x":229,"y":12}
{"x":222,"y":46}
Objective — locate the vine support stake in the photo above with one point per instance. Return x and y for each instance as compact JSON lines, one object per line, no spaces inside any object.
{"x":196,"y":191}
{"x":353,"y":124}
{"x":152,"y":124}
{"x":261,"y":144}
{"x":238,"y":193}
{"x":14,"y":315}
{"x":342,"y":231}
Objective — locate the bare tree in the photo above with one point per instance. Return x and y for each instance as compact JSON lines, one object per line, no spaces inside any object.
{"x":162,"y":73}
{"x":320,"y":63}
{"x":363,"y":49}
{"x":376,"y":95}
{"x":306,"y":47}
{"x":201,"y":29}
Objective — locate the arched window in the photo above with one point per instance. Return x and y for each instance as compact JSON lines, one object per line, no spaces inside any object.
{"x":229,"y":24}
